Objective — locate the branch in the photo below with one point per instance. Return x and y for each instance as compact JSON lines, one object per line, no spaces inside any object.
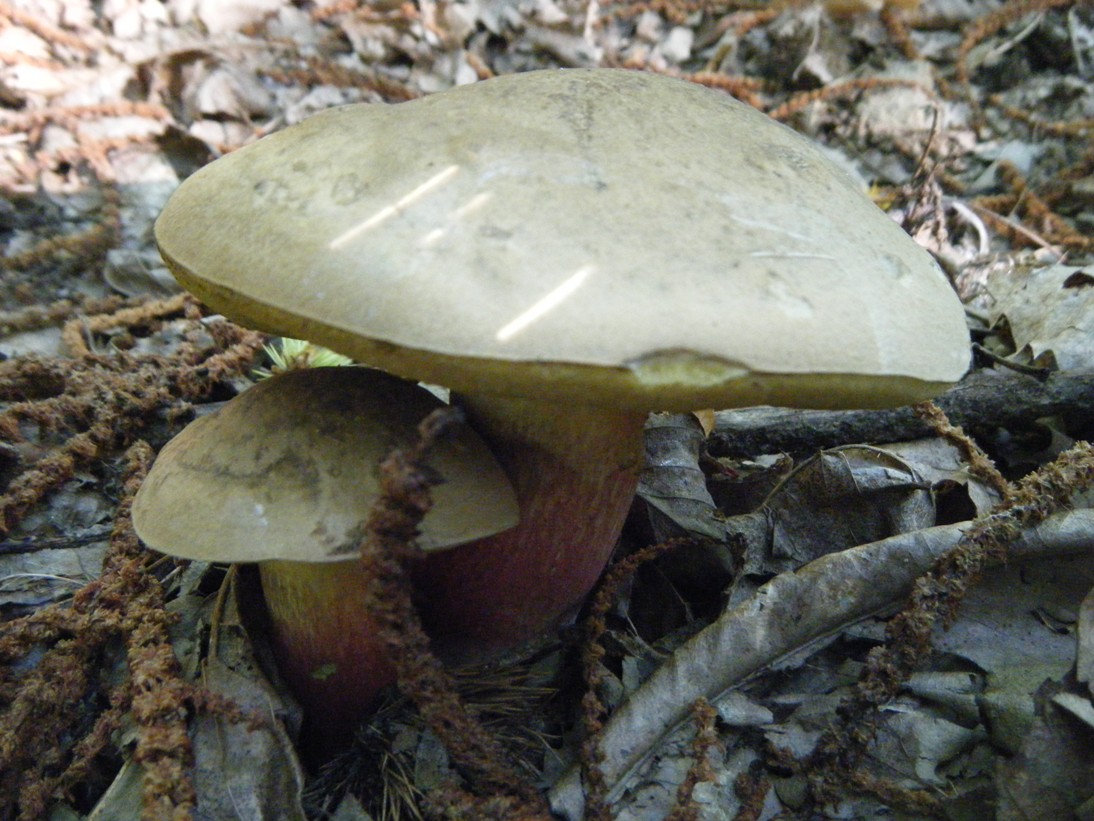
{"x":990,"y":398}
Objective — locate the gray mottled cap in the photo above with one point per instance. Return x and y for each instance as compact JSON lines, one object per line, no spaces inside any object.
{"x":603,"y":235}
{"x":289,"y":469}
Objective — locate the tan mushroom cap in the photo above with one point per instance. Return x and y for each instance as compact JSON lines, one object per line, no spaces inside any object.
{"x":613,"y":236}
{"x":289,"y":470}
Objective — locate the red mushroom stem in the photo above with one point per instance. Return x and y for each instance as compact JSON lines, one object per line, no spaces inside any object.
{"x":575,"y":469}
{"x":326,"y":647}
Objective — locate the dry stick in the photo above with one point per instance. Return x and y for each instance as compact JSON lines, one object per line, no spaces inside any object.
{"x":35,"y":544}
{"x":387,"y":549}
{"x":984,"y":400}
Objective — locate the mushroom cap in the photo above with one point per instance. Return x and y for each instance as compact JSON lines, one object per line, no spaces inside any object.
{"x":289,"y":469}
{"x":597,"y":235}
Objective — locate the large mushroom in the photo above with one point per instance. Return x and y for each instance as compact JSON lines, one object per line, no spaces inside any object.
{"x":284,"y":475}
{"x":568,"y":250}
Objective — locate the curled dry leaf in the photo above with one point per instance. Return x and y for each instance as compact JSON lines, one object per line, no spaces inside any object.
{"x":1050,"y":313}
{"x":844,"y":497}
{"x":672,"y":484}
{"x":788,"y":613}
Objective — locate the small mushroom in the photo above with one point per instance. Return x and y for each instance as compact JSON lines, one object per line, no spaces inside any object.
{"x":284,"y":475}
{"x":568,"y":250}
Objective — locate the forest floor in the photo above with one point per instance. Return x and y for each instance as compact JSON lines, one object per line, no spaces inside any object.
{"x":131,"y":686}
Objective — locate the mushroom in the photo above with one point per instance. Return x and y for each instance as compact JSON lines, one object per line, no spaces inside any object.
{"x":285,"y":475}
{"x":568,"y":250}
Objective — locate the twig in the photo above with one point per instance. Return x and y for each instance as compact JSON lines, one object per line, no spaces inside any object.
{"x":986,"y":399}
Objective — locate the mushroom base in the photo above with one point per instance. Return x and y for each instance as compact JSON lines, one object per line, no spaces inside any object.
{"x":326,"y":647}
{"x":575,"y":470}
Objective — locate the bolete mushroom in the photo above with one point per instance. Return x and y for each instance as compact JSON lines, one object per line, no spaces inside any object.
{"x":285,"y":475}
{"x":568,"y":250}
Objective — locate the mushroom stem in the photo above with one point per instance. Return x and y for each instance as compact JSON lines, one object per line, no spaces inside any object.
{"x":575,"y":470}
{"x":326,"y":646}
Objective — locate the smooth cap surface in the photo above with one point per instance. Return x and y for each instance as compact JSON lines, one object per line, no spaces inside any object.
{"x":602,"y":235}
{"x":289,"y":470}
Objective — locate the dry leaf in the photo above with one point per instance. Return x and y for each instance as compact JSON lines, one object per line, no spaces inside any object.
{"x":787,"y":614}
{"x":1050,"y":313}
